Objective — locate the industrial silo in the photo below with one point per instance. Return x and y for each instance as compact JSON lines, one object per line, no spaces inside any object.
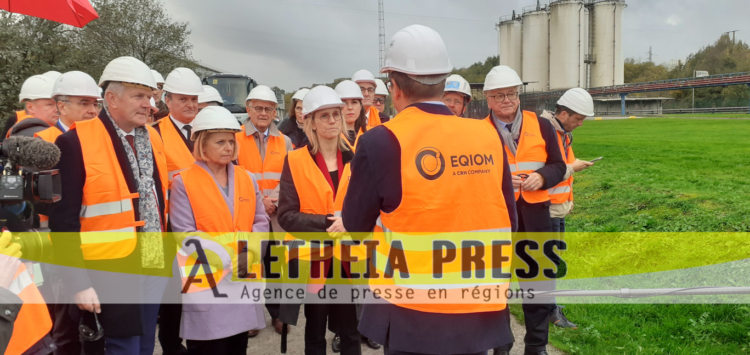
{"x":606,"y":17}
{"x":536,"y":48}
{"x":509,"y":42}
{"x":567,"y":41}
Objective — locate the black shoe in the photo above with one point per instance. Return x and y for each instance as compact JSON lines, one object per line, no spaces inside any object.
{"x":500,"y":352}
{"x":559,"y":320}
{"x":543,"y":352}
{"x":370,"y":343}
{"x":336,"y":344}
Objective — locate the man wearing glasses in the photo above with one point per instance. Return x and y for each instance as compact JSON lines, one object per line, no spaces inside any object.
{"x":77,"y":98}
{"x":381,"y":93}
{"x":262,"y":152}
{"x":367,"y":84}
{"x":537,"y":165}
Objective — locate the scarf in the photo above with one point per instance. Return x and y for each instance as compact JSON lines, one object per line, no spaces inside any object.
{"x":150,"y":237}
{"x":567,"y":136}
{"x":515,"y":132}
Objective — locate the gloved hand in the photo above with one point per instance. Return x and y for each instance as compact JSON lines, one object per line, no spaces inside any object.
{"x":9,"y":259}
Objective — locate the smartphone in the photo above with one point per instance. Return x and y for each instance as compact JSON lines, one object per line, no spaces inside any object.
{"x":597,"y":159}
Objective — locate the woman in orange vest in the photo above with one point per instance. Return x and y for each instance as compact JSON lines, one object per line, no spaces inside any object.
{"x":355,"y":120}
{"x":313,"y":186}
{"x":223,"y":202}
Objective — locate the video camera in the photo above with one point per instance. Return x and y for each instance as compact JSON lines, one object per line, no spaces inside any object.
{"x":27,"y":173}
{"x":27,"y":176}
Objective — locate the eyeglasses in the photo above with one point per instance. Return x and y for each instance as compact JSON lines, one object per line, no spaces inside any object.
{"x":327,"y":117}
{"x":367,"y":90}
{"x":89,"y":335}
{"x":260,"y":109}
{"x":501,"y":97}
{"x":85,"y":104}
{"x":378,"y":100}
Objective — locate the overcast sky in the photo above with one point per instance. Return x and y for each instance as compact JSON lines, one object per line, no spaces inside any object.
{"x":294,"y":43}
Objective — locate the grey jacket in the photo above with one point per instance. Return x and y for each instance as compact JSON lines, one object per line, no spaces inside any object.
{"x":203,"y":320}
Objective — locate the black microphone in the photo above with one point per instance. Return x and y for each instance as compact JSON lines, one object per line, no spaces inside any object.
{"x":31,"y":152}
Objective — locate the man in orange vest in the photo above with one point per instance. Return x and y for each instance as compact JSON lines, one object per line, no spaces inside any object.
{"x":405,"y":180}
{"x":572,"y":108}
{"x":537,"y":165}
{"x":36,"y":96}
{"x":113,"y":215}
{"x":77,"y":98}
{"x":262,"y":152}
{"x":367,"y":84}
{"x":182,"y":88}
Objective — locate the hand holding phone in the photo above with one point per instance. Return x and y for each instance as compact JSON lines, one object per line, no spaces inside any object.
{"x":597,"y":159}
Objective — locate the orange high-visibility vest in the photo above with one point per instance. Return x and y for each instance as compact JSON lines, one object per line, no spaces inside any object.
{"x":179,"y":156}
{"x":50,"y":134}
{"x":316,"y":197}
{"x":452,"y":185}
{"x":20,"y":116}
{"x":531,"y":155}
{"x":108,"y":223}
{"x":267,"y":170}
{"x":373,"y":120}
{"x":563,"y":192}
{"x":212,"y":216}
{"x":33,"y":321}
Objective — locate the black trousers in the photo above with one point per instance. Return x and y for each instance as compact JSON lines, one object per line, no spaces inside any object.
{"x":345,"y":318}
{"x":234,"y":345}
{"x":535,"y":218}
{"x":170,"y":315}
{"x":272,"y":308}
{"x":65,"y":329}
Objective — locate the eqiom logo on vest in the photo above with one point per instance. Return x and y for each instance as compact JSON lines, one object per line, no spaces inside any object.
{"x":430,"y":163}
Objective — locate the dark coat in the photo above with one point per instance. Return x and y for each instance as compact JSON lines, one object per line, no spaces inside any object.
{"x":292,"y":220}
{"x":118,"y":320}
{"x":289,"y":127}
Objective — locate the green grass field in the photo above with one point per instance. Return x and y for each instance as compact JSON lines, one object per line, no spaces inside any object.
{"x":709,"y":115}
{"x":660,"y":175}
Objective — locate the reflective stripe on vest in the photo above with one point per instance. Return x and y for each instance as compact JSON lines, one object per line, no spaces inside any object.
{"x":33,"y":321}
{"x":179,"y":156}
{"x":267,"y":171}
{"x":563,"y":192}
{"x":444,"y":200}
{"x":108,"y":222}
{"x":50,"y":134}
{"x":531,"y":155}
{"x":212,"y":216}
{"x":316,"y":197}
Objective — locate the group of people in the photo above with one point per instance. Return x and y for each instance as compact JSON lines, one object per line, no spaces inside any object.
{"x":142,"y":156}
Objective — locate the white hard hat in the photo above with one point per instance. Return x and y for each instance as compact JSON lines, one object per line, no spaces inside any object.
{"x":36,"y":87}
{"x":183,"y":81}
{"x":417,"y":50}
{"x":300,"y":94}
{"x":262,"y":93}
{"x":128,"y":70}
{"x":52,"y":74}
{"x":214,"y":118}
{"x":501,"y":77}
{"x":578,"y":100}
{"x":457,"y":83}
{"x":153,"y":105}
{"x":364,"y":76}
{"x":348,"y":89}
{"x":380,"y":88}
{"x":319,"y":98}
{"x":159,"y":79}
{"x":210,"y":94}
{"x":76,"y":83}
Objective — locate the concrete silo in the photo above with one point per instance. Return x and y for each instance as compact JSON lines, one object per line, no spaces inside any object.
{"x":509,"y":42}
{"x":606,"y":20}
{"x":536,"y":48}
{"x":568,"y":33}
